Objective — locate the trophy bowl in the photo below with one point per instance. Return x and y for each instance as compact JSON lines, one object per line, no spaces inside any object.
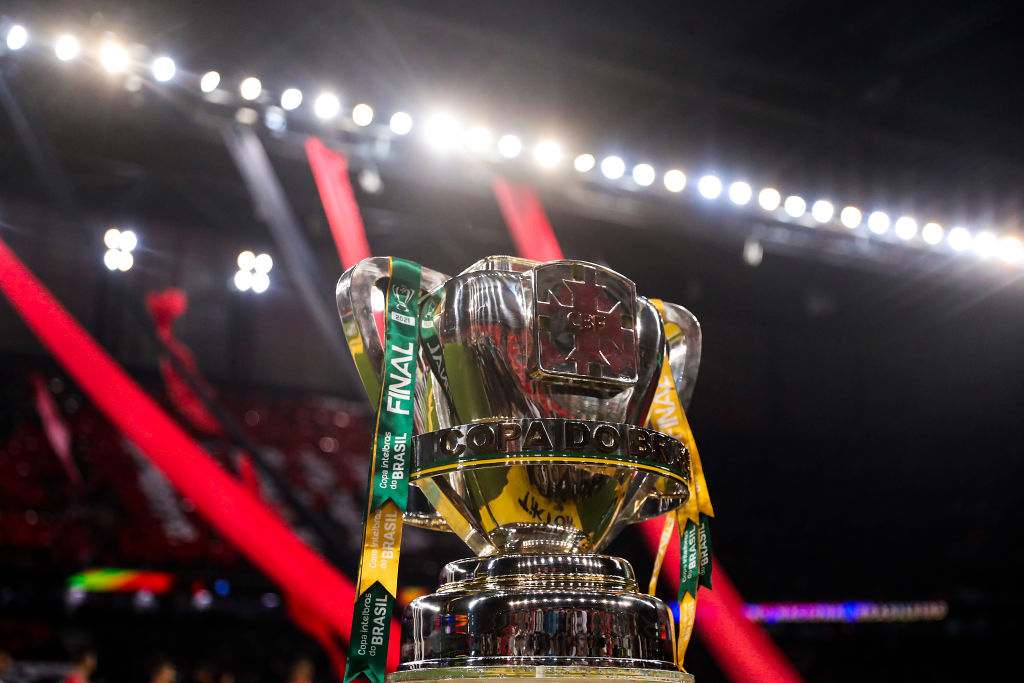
{"x":535,"y":384}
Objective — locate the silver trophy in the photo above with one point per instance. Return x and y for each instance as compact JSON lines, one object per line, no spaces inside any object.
{"x":535,"y":386}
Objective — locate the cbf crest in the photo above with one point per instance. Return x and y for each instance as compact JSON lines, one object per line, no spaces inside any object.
{"x":585,"y":323}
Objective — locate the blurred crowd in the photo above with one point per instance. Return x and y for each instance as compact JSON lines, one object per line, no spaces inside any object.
{"x":85,"y":668}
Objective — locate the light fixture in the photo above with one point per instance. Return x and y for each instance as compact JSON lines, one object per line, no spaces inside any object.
{"x":478,"y":139}
{"x":209,"y":81}
{"x":850,"y":217}
{"x":113,"y":57}
{"x":1011,"y":249}
{"x":878,"y":222}
{"x":675,"y":180}
{"x":291,"y":99}
{"x":709,"y":186}
{"x":986,"y":244}
{"x":509,"y":146}
{"x":253,"y":272}
{"x":547,"y":153}
{"x":400,"y":123}
{"x":66,"y":47}
{"x":769,"y":199}
{"x":795,"y":206}
{"x":643,"y":174}
{"x":246,"y":260}
{"x":163,"y":69}
{"x":613,"y":167}
{"x":740,"y":193}
{"x":120,"y":244}
{"x":822,"y":211}
{"x":326,"y":106}
{"x":250,"y":88}
{"x":905,"y":227}
{"x":584,"y":163}
{"x":243,"y":280}
{"x":362,"y":114}
{"x":931,"y":233}
{"x":442,"y":132}
{"x":17,"y":37}
{"x":275,"y":119}
{"x":959,"y":239}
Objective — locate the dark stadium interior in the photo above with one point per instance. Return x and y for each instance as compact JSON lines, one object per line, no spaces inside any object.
{"x":859,"y":404}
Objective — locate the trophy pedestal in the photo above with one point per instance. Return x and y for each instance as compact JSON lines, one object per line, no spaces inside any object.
{"x":549,"y":674}
{"x":538,"y":616}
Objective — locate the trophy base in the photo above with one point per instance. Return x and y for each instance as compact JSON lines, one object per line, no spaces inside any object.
{"x":561,"y":674}
{"x":510,"y":616}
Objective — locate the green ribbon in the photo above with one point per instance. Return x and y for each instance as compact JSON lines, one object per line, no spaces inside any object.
{"x":389,"y":471}
{"x":689,"y":560}
{"x":705,"y":551}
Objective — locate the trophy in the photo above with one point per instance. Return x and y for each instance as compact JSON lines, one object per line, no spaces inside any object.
{"x":534,"y":387}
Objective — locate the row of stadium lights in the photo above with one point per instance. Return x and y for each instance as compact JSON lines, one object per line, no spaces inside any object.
{"x":443,"y":132}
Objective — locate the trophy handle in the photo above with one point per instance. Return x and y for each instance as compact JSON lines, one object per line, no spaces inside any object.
{"x":355,"y":295}
{"x":682,"y":336}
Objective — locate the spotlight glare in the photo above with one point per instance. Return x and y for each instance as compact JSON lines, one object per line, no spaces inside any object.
{"x":850,"y":217}
{"x":675,"y":180}
{"x":548,"y":153}
{"x":66,"y":48}
{"x":443,"y":132}
{"x":795,"y":206}
{"x":959,"y":239}
{"x":243,"y":280}
{"x":401,"y":123}
{"x":931,"y":233}
{"x":260,"y":282}
{"x":822,"y":211}
{"x":478,"y":139}
{"x":209,"y":81}
{"x":250,"y":88}
{"x":643,"y":174}
{"x":769,"y":199}
{"x":362,"y":114}
{"x":709,"y":187}
{"x":246,"y":260}
{"x":905,"y":227}
{"x":985,"y":244}
{"x":263,"y":263}
{"x":113,"y":57}
{"x":584,"y":163}
{"x":127,"y":240}
{"x":125,"y":261}
{"x":509,"y":146}
{"x":740,"y":193}
{"x":878,"y":222}
{"x":1011,"y":250}
{"x":112,"y":259}
{"x":613,"y":167}
{"x":291,"y":99}
{"x":163,"y":69}
{"x":326,"y":106}
{"x":112,"y":238}
{"x":17,"y":37}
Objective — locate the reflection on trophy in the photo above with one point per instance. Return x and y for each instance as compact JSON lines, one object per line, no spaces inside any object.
{"x":534,"y":388}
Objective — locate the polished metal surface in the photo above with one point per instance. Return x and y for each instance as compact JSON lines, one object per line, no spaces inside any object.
{"x":548,"y":485}
{"x":542,"y":610}
{"x":512,"y":338}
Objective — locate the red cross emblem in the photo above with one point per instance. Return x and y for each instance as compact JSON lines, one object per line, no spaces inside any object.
{"x":585,"y":322}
